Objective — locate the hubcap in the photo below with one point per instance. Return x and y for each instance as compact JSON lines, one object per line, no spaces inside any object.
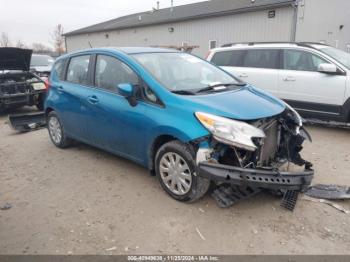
{"x":55,"y":130}
{"x":175,"y":173}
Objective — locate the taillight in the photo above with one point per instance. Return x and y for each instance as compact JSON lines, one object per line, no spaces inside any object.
{"x":47,"y":83}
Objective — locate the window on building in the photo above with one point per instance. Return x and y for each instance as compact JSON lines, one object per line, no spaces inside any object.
{"x":301,"y":60}
{"x":78,"y":70}
{"x":261,"y":58}
{"x":212,"y":44}
{"x":110,"y":72}
{"x":228,"y":58}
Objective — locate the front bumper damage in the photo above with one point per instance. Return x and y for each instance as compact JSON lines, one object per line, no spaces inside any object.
{"x":275,"y":165}
{"x":256,"y":178}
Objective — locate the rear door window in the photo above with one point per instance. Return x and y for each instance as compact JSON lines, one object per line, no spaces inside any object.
{"x":261,"y":58}
{"x":78,"y":70}
{"x":110,"y":72}
{"x":228,"y":58}
{"x":301,"y":61}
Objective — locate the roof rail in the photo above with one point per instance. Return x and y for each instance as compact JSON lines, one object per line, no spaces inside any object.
{"x":307,"y":44}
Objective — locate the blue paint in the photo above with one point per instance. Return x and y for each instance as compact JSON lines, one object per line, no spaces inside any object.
{"x":108,"y":121}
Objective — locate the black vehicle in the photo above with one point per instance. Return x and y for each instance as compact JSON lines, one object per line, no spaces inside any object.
{"x":18,"y":86}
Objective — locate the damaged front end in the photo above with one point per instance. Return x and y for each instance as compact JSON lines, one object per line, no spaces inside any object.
{"x":261,"y":154}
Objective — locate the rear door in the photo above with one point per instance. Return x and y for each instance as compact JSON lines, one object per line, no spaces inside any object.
{"x":258,"y":67}
{"x":71,"y":101}
{"x":306,"y":89}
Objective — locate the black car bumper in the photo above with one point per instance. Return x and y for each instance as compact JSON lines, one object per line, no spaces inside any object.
{"x":258,"y":178}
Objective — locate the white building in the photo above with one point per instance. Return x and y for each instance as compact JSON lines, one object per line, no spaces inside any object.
{"x":214,"y":23}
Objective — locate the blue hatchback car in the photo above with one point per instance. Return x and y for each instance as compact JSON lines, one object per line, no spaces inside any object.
{"x":186,"y":120}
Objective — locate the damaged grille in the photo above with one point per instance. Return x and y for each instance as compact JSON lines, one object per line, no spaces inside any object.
{"x":14,"y":88}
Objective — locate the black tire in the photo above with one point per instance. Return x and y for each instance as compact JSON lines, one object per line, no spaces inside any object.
{"x":199,"y":185}
{"x":64,"y":141}
{"x":41,"y":101}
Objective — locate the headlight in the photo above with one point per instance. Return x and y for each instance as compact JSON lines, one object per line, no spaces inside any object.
{"x":297,"y":118}
{"x":230,"y":131}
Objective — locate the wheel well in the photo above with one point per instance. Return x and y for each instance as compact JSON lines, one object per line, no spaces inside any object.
{"x":160,"y":140}
{"x":48,"y":110}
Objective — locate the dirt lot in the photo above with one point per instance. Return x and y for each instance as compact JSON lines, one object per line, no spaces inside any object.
{"x":83,"y":201}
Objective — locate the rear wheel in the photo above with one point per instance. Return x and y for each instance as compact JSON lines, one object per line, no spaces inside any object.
{"x":176,"y":171}
{"x":56,"y":131}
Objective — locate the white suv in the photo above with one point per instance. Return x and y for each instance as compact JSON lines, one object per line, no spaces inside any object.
{"x":312,"y":77}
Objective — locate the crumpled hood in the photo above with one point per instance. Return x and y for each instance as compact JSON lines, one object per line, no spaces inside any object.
{"x":12,"y":58}
{"x":247,"y":103}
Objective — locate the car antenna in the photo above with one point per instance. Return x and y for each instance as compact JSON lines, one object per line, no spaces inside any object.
{"x":90,"y":44}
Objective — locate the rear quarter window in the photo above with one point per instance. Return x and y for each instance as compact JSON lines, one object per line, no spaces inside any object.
{"x":228,"y":58}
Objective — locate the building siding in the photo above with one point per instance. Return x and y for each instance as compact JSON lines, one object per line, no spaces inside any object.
{"x":243,"y":27}
{"x":320,"y":20}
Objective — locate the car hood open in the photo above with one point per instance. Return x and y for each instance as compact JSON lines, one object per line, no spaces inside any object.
{"x":247,"y":103}
{"x":12,"y":58}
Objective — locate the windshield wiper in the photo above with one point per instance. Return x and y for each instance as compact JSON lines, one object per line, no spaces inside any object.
{"x":183,"y":92}
{"x":212,"y":87}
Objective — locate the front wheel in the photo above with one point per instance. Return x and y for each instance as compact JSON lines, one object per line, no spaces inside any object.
{"x":176,"y":171}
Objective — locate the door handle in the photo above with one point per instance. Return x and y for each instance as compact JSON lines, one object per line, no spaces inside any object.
{"x":93,"y":99}
{"x":60,"y":88}
{"x":289,"y":79}
{"x":243,"y":75}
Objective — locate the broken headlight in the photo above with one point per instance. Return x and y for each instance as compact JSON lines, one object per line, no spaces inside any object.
{"x":231,"y":132}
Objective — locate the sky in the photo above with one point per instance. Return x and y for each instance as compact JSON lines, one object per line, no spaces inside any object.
{"x":33,"y":21}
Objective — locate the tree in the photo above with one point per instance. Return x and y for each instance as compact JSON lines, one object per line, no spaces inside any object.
{"x":20,"y":44}
{"x":41,"y":48}
{"x":4,"y":40}
{"x":58,"y":39}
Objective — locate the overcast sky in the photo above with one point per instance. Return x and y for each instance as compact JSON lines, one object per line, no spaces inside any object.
{"x":34,"y":20}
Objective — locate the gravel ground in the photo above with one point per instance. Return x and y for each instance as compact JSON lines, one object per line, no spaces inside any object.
{"x":84,"y":201}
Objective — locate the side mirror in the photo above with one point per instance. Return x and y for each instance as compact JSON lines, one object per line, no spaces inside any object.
{"x":126,"y":90}
{"x":327,"y":69}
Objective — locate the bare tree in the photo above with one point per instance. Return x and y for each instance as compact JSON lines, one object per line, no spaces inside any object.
{"x":20,"y":44}
{"x":4,"y":40}
{"x":41,"y":48}
{"x":58,"y":39}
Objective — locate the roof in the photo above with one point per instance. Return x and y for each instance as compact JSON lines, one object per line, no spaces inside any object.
{"x":182,"y":13}
{"x":125,"y":50}
{"x":268,"y":44}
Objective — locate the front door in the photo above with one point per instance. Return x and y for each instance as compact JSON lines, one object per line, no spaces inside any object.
{"x":114,"y":124}
{"x":306,"y":89}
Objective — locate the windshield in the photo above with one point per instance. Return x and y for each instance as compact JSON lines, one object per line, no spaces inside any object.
{"x":184,"y":72}
{"x":41,"y":60}
{"x":339,"y":55}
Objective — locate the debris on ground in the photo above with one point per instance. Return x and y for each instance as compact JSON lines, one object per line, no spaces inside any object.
{"x":111,"y":249}
{"x":200,"y":234}
{"x":27,"y":122}
{"x":6,"y":206}
{"x":334,"y":192}
{"x":227,"y":195}
{"x":290,"y":199}
{"x":328,"y":202}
